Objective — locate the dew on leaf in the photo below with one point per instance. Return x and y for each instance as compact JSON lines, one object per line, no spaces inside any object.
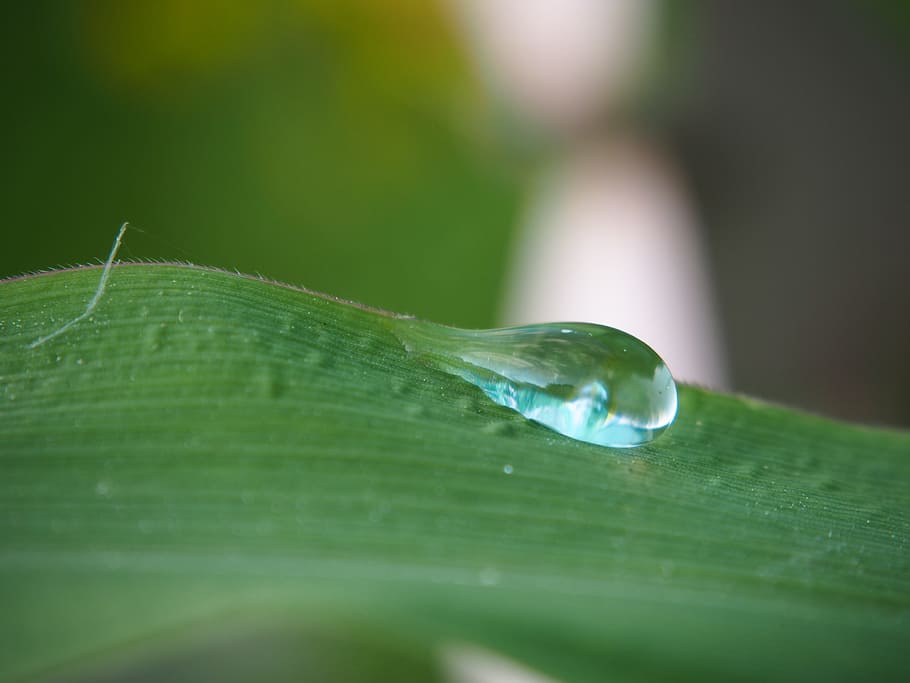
{"x":589,"y":382}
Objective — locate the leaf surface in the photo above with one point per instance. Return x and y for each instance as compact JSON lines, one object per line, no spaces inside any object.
{"x":209,"y":452}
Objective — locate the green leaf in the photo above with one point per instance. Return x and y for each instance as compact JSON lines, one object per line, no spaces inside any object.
{"x":211,"y":463}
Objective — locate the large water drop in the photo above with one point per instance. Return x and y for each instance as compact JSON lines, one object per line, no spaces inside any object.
{"x":589,"y":382}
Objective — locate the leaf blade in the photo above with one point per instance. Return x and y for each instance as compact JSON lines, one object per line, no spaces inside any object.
{"x":203,"y":424}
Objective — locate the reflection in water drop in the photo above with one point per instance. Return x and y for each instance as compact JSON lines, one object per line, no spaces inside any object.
{"x":589,"y":382}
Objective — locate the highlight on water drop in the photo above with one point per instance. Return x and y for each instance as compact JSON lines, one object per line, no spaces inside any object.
{"x":589,"y":382}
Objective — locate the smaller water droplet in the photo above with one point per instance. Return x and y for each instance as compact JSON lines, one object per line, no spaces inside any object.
{"x":79,"y":361}
{"x":507,"y":469}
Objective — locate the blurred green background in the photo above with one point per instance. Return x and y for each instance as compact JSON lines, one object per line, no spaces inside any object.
{"x":350,"y":147}
{"x":336,"y":145}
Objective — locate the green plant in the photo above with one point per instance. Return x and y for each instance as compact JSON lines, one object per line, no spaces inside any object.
{"x":212,"y":470}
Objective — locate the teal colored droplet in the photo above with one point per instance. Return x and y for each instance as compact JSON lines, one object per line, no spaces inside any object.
{"x":589,"y":382}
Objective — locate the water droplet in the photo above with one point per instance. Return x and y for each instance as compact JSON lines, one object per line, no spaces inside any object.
{"x":507,"y":469}
{"x":589,"y":382}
